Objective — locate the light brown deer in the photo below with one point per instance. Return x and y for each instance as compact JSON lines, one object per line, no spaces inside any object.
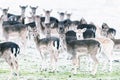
{"x":49,"y":45}
{"x":78,"y":48}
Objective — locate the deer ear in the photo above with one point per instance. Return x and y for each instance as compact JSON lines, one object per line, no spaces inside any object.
{"x":70,"y":13}
{"x":83,"y":30}
{"x":20,"y":6}
{"x":41,"y":15}
{"x":51,"y":10}
{"x":65,"y":12}
{"x":0,"y":8}
{"x":26,"y":6}
{"x":8,"y":8}
{"x":58,"y":12}
{"x":36,"y":7}
{"x":44,"y":10}
{"x":30,"y":6}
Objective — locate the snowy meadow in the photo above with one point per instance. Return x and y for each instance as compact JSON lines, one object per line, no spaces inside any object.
{"x":96,"y":11}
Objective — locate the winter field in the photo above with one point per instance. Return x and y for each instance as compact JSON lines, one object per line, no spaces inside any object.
{"x":96,"y":11}
{"x":30,"y":62}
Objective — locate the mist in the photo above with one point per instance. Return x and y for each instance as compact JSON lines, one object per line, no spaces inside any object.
{"x":96,"y":11}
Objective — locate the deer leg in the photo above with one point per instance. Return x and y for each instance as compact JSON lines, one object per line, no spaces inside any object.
{"x":42,"y":56}
{"x":89,"y":67}
{"x":43,"y":63}
{"x":12,"y":70}
{"x":109,"y":58}
{"x":52,"y":60}
{"x":110,"y":64}
{"x":95,"y":65}
{"x":5,"y":34}
{"x":54,"y":56}
{"x":22,"y":34}
{"x":76,"y":64}
{"x":9,"y":61}
{"x":29,"y":35}
{"x":104,"y":62}
{"x":16,"y":68}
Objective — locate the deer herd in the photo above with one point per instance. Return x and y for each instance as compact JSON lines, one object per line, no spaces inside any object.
{"x":54,"y":36}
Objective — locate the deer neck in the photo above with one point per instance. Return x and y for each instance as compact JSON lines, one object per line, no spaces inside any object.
{"x":37,"y":22}
{"x":23,"y":14}
{"x":68,"y":17}
{"x":47,"y":19}
{"x":37,"y":39}
{"x":5,"y":17}
{"x":61,"y":18}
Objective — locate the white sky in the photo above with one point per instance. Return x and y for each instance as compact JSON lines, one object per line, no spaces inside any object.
{"x":97,"y":11}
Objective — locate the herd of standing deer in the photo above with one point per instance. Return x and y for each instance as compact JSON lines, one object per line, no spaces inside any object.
{"x":55,"y":36}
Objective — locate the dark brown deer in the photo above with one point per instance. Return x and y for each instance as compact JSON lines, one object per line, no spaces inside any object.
{"x":78,"y":48}
{"x":14,"y":29}
{"x":9,"y":51}
{"x":108,"y":32}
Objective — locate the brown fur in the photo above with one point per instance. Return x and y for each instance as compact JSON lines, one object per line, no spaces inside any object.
{"x":44,"y":46}
{"x":80,"y":48}
{"x":12,"y":61}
